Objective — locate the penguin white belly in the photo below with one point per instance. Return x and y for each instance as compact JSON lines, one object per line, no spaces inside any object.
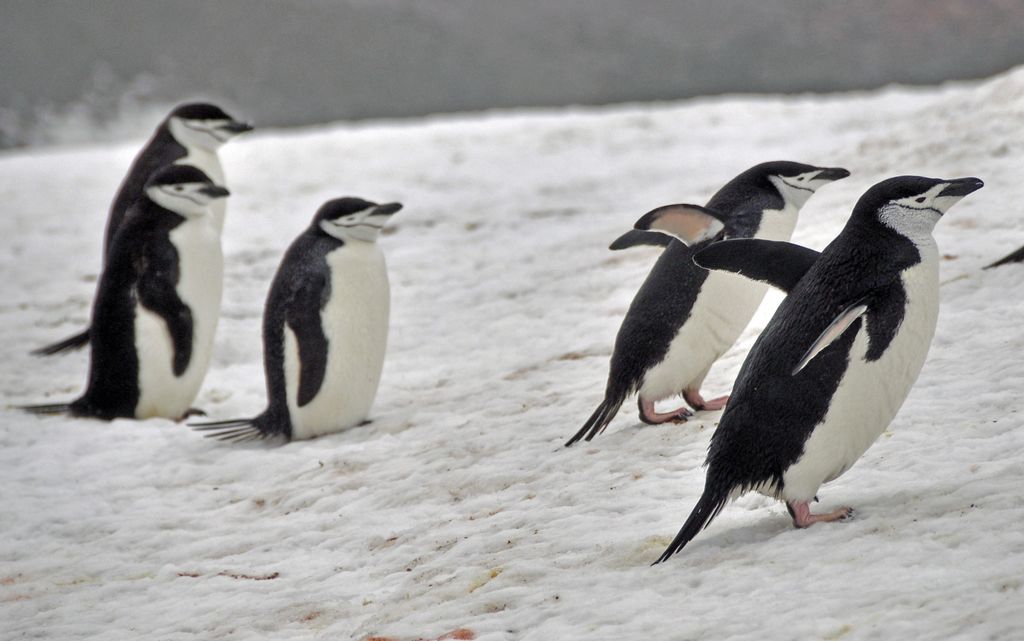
{"x":209,"y":163}
{"x":871,"y":392}
{"x":723,"y":308}
{"x":200,"y":284}
{"x":355,"y":321}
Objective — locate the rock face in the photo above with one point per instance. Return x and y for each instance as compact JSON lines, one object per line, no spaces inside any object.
{"x":296,"y":62}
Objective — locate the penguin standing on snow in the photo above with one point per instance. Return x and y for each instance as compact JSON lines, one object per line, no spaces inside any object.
{"x":837,"y":359}
{"x":683,"y":318}
{"x":190,"y":135}
{"x":325,"y":327}
{"x":157,"y":303}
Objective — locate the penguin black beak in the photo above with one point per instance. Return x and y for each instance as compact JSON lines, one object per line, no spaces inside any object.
{"x":960,"y":187}
{"x":237,"y":127}
{"x":832,"y":173}
{"x":386,"y":209}
{"x":215,"y":191}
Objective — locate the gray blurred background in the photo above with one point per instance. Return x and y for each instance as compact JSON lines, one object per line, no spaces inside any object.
{"x":76,"y":70}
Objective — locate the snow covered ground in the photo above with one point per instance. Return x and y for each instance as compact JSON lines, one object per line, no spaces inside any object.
{"x":457,"y":513}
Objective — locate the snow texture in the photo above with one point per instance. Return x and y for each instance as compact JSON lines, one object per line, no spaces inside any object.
{"x":457,"y":511}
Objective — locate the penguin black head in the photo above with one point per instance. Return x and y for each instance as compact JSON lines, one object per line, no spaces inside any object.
{"x":202,"y":124}
{"x":183,"y":189}
{"x":912,"y":205}
{"x":353,"y":218}
{"x":794,"y":181}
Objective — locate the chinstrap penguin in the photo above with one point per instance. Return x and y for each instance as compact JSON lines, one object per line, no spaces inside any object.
{"x":157,"y":303}
{"x":189,"y":135}
{"x":325,"y":328}
{"x":838,"y":358}
{"x":683,"y":318}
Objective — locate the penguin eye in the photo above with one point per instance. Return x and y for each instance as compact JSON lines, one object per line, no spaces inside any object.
{"x":179,"y":188}
{"x":919,"y":199}
{"x":800,"y":179}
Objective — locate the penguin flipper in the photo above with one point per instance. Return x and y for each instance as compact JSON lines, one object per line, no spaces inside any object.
{"x":690,"y":224}
{"x":303,"y":317}
{"x":831,"y":333}
{"x":77,"y":341}
{"x":638,"y":238}
{"x":1015,"y":257}
{"x":158,"y":293}
{"x":778,"y":263}
{"x":711,"y":502}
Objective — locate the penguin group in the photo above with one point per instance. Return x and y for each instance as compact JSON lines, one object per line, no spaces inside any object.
{"x":820,"y":384}
{"x":158,"y":297}
{"x":835,"y":362}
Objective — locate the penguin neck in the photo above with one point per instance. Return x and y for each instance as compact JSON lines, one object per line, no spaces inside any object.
{"x":777,"y":224}
{"x":164,"y":218}
{"x":752,"y":211}
{"x":163,"y":137}
{"x":318,"y":235}
{"x":205,"y":160}
{"x":209,"y":163}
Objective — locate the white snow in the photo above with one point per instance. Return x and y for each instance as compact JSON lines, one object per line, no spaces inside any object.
{"x":458,"y":507}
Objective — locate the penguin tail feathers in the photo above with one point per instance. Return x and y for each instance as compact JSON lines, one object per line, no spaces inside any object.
{"x":73,"y":342}
{"x":1015,"y":257}
{"x":46,"y":410}
{"x":599,"y":420}
{"x":238,"y":430}
{"x":710,"y":504}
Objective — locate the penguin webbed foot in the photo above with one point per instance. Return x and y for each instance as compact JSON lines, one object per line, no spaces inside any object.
{"x":697,"y":402}
{"x":800,"y":511}
{"x":649,"y":416}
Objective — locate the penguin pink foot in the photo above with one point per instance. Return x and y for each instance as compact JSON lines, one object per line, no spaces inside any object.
{"x":651,"y":417}
{"x":697,"y":402}
{"x":802,"y":517}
